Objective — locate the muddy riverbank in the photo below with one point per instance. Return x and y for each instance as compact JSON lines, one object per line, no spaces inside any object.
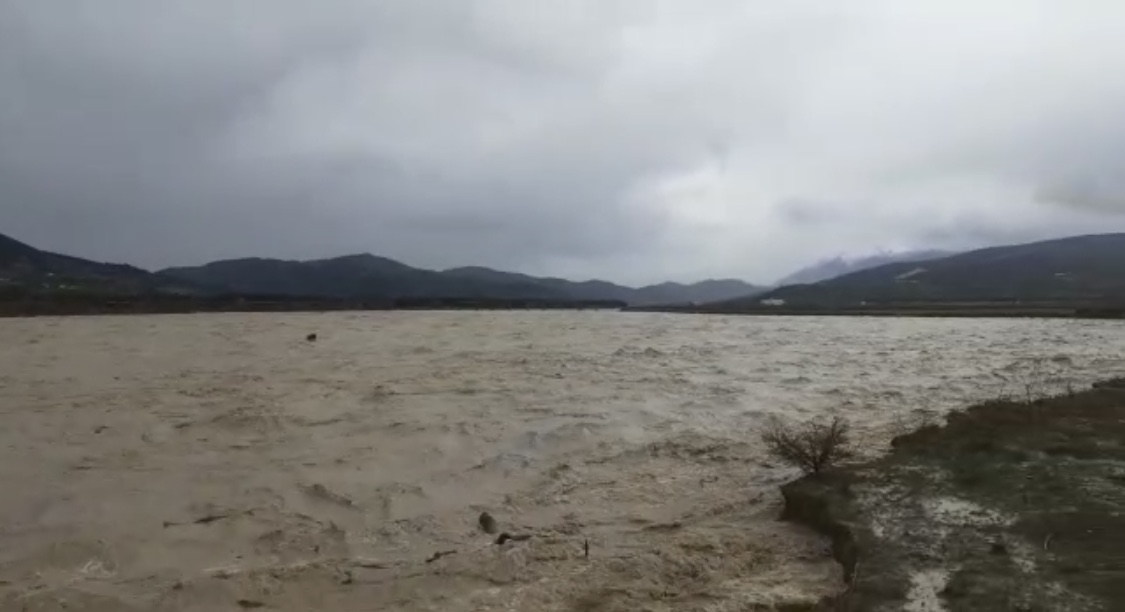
{"x":1012,"y":505}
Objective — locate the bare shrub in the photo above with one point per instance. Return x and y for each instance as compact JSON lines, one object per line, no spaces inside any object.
{"x":813,"y":446}
{"x":1035,"y":379}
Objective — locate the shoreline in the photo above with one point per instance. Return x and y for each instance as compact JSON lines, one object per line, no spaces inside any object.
{"x":1000,"y":311}
{"x":111,"y":307}
{"x":153,"y":305}
{"x":1010,"y":505}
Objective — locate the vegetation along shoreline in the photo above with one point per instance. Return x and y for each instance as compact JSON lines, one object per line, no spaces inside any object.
{"x":1012,"y":504}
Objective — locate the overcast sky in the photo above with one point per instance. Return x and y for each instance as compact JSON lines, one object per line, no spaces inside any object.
{"x":635,"y":140}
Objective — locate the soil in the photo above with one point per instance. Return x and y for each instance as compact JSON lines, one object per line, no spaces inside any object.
{"x":1011,"y":505}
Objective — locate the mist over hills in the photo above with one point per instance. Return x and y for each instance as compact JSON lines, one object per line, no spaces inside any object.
{"x":1087,"y":268}
{"x":839,"y":266}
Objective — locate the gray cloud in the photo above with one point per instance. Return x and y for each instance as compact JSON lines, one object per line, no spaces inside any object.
{"x":1097,"y":194}
{"x":633,"y":139}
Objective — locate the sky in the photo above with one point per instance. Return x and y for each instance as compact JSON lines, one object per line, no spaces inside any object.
{"x":631,"y":140}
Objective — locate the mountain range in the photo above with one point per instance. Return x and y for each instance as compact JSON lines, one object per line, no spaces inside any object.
{"x":1075,"y":269}
{"x":24,"y":268}
{"x":1079,"y":269}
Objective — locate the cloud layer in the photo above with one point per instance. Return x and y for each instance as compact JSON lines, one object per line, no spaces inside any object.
{"x":637,"y":140}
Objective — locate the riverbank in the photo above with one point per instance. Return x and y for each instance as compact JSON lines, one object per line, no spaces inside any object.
{"x":1012,"y":505}
{"x":64,"y":304}
{"x":182,"y":304}
{"x":146,"y":307}
{"x":941,"y":310}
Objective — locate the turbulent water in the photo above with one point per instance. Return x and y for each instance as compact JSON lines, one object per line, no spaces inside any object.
{"x":219,"y":462}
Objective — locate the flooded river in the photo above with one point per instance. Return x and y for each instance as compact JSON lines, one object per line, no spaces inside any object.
{"x":220,"y":462}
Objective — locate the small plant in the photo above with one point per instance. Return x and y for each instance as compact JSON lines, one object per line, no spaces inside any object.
{"x":813,"y":446}
{"x":1040,"y":378}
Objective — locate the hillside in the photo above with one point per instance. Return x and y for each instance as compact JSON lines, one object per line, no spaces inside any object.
{"x":351,"y":276}
{"x":1077,"y":269}
{"x":27,"y":270}
{"x":711,"y":290}
{"x":663,"y":293}
{"x":839,"y":266}
{"x":369,"y":276}
{"x":1085,"y":271}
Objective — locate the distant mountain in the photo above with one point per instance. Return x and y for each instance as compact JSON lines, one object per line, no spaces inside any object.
{"x":550,"y":286}
{"x":839,"y":266}
{"x":369,"y":276}
{"x":1076,"y":269}
{"x":712,"y":290}
{"x":664,"y":293}
{"x":351,"y":276}
{"x":26,"y":269}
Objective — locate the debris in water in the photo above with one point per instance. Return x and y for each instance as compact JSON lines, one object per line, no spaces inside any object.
{"x":505,"y":537}
{"x":487,"y":523}
{"x":369,"y":564}
{"x":205,"y":520}
{"x":210,"y":518}
{"x":664,"y":526}
{"x":311,"y":337}
{"x":321,"y":492}
{"x":440,"y":554}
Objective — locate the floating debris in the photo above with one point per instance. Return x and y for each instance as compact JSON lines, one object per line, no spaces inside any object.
{"x":440,"y":554}
{"x":487,"y":523}
{"x":506,"y":537}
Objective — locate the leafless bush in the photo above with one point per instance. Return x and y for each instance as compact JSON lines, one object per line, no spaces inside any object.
{"x":1035,"y":379}
{"x":812,"y":446}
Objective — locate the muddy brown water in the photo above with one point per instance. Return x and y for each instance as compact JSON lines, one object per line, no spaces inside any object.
{"x":221,"y":461}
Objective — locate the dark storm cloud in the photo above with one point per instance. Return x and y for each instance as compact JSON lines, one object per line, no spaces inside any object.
{"x":633,"y":139}
{"x":174,"y":132}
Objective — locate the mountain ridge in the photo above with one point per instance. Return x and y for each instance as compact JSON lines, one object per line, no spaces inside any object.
{"x":1086,"y":268}
{"x":24,"y":268}
{"x":1075,"y":269}
{"x":371,"y":275}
